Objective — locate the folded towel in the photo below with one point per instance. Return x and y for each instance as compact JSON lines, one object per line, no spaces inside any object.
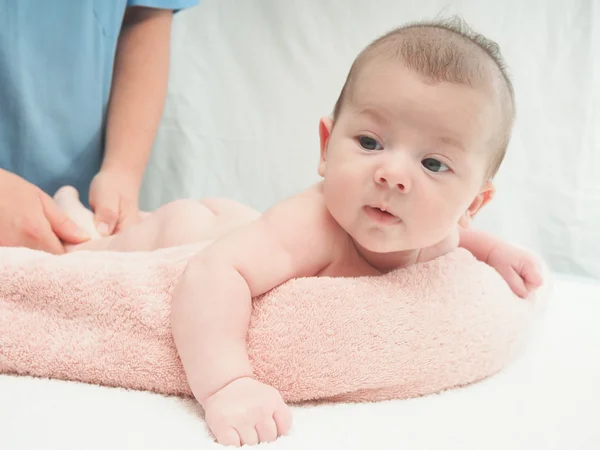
{"x":103,"y":318}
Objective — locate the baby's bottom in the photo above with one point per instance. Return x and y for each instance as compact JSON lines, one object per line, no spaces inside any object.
{"x":177,"y":223}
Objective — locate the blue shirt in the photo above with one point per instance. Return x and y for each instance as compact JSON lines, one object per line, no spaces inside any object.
{"x":56,"y":65}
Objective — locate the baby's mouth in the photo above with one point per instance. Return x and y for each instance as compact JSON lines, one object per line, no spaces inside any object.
{"x":380,"y":215}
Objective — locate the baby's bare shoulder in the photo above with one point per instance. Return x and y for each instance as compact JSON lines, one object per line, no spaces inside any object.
{"x":306,"y":208}
{"x":303,"y":217}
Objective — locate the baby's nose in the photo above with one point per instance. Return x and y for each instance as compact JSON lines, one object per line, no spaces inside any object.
{"x":400,"y":186}
{"x":394,"y":180}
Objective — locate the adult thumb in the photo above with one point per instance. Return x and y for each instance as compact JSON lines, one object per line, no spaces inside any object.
{"x":106,"y":213}
{"x":64,"y":228}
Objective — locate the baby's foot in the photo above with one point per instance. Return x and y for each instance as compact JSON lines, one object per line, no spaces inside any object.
{"x":67,"y":199}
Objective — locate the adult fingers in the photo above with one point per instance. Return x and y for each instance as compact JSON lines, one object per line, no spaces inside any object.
{"x":39,"y":236}
{"x":106,"y":210}
{"x":62,"y":227}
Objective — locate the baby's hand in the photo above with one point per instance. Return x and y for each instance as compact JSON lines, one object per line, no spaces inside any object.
{"x":247,"y":412}
{"x":518,"y":268}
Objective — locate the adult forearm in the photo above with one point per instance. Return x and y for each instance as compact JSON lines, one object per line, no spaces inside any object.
{"x":210,"y":318}
{"x":138,"y":90}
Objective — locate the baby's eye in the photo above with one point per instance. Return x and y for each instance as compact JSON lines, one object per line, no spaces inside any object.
{"x":368,"y":143}
{"x":434,"y":165}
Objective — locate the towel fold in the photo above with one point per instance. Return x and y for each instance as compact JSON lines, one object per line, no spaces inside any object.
{"x":103,"y":318}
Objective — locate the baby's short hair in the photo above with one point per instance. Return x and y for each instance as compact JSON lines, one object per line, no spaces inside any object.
{"x":445,"y":50}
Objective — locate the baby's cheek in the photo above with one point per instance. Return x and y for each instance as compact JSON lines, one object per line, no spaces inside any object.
{"x":439,"y":217}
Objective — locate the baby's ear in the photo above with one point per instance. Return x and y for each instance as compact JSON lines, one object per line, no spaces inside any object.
{"x":325,"y":127}
{"x":483,"y":198}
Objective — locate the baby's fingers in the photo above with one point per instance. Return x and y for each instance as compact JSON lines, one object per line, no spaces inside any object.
{"x":267,"y":430}
{"x":248,"y":435}
{"x":515,"y":282}
{"x":532,"y":275}
{"x":283,"y":419}
{"x":226,"y":435}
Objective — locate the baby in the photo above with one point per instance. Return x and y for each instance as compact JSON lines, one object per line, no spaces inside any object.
{"x":418,"y":132}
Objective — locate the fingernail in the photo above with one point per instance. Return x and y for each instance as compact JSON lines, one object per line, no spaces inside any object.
{"x":81,"y":234}
{"x":103,"y":229}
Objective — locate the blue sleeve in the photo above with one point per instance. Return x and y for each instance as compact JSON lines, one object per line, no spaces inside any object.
{"x":164,"y":4}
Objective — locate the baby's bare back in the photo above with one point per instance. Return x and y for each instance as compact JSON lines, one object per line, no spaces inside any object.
{"x":177,"y":223}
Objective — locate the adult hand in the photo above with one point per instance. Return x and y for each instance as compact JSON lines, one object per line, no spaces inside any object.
{"x":114,"y":200}
{"x":30,"y":218}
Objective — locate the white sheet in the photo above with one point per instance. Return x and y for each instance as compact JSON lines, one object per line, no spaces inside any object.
{"x":249,"y":81}
{"x":251,"y":78}
{"x":548,"y":400}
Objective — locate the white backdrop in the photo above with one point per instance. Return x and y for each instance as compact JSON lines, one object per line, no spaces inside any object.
{"x":251,"y":78}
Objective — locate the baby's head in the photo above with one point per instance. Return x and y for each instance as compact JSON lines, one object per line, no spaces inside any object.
{"x":419,"y":130}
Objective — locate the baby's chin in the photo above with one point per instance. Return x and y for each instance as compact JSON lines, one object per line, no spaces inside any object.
{"x":383,"y":245}
{"x":401,"y":245}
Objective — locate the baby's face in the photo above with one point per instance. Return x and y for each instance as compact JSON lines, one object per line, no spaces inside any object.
{"x":406,"y":159}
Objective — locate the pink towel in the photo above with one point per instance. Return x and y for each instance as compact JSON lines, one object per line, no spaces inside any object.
{"x":104,"y":318}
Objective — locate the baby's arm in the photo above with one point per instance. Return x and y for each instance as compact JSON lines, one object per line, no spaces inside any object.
{"x":518,"y":268}
{"x":211,"y":313}
{"x":480,"y":244}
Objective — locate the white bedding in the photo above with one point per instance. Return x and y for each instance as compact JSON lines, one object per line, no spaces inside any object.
{"x":547,"y":400}
{"x":249,"y":82}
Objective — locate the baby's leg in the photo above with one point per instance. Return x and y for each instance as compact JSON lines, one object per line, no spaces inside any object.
{"x":67,"y":199}
{"x":177,"y":223}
